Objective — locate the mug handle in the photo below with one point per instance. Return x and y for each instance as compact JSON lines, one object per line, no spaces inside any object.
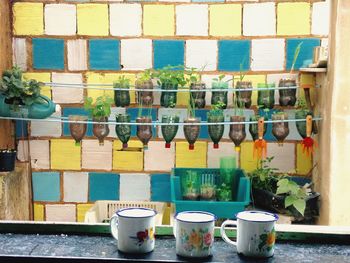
{"x":223,"y":233}
{"x":114,"y":226}
{"x":174,"y":228}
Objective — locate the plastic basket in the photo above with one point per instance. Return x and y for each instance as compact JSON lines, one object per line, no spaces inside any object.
{"x":219,"y":208}
{"x":102,"y":211}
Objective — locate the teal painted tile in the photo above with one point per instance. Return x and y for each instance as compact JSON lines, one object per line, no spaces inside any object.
{"x":306,"y":51}
{"x":168,"y":52}
{"x":160,"y":188}
{"x":104,"y":54}
{"x":103,"y":186}
{"x":48,"y":53}
{"x":46,"y":186}
{"x":232,"y":53}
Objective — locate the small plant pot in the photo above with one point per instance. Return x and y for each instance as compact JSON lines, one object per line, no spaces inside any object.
{"x":219,"y":96}
{"x":208,"y":187}
{"x":169,"y":131}
{"x":121,"y":97}
{"x":224,"y":193}
{"x":77,"y":130}
{"x":100,"y":130}
{"x":280,"y":130}
{"x":244,"y":98}
{"x":190,"y":186}
{"x":287,"y":96}
{"x":7,"y":160}
{"x":237,"y":131}
{"x":216,"y":131}
{"x":145,"y":97}
{"x":123,"y":131}
{"x":191,"y":131}
{"x":266,"y":98}
{"x":198,"y":98}
{"x":301,"y":125}
{"x":144,"y":132}
{"x":168,"y":99}
{"x":253,"y":127}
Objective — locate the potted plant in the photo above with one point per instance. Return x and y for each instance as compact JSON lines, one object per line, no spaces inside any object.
{"x":100,"y":111}
{"x":169,"y":131}
{"x":216,"y":114}
{"x":243,"y":97}
{"x":144,"y":132}
{"x":121,"y":96}
{"x":191,"y":131}
{"x":123,"y":131}
{"x":219,"y":96}
{"x":198,"y":97}
{"x":266,"y":96}
{"x":237,"y":131}
{"x":145,"y":83}
{"x":77,"y":127}
{"x":190,"y":185}
{"x":169,"y":78}
{"x":7,"y":160}
{"x":280,"y":130}
{"x":21,"y":98}
{"x":208,"y":187}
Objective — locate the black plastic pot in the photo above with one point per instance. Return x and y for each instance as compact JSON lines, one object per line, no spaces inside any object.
{"x":7,"y":160}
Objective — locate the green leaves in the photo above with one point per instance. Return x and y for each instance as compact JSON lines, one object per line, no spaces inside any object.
{"x":101,"y":108}
{"x":296,"y":54}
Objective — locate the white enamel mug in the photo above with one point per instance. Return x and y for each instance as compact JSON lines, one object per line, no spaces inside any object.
{"x":194,"y":233}
{"x":255,"y":233}
{"x":134,"y":229}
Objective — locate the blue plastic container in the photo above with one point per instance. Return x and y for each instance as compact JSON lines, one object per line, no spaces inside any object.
{"x":219,"y":208}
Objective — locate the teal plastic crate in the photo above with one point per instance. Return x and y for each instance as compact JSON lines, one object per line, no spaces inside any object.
{"x":219,"y":208}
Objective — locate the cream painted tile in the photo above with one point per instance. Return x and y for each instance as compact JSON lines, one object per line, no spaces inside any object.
{"x":159,"y":158}
{"x":60,"y":19}
{"x":22,"y":151}
{"x":182,"y":113}
{"x":225,"y":149}
{"x":259,"y":19}
{"x":135,"y":187}
{"x":44,"y":128}
{"x":201,"y":54}
{"x":293,"y":131}
{"x":114,"y":111}
{"x":75,"y":187}
{"x":192,"y":20}
{"x":320,"y":18}
{"x":95,"y":156}
{"x":120,"y":17}
{"x":60,"y":213}
{"x":208,"y":79}
{"x":77,"y":54}
{"x":67,"y":95}
{"x":19,"y":53}
{"x":40,"y":154}
{"x":136,"y":54}
{"x":268,"y":54}
{"x":284,"y":156}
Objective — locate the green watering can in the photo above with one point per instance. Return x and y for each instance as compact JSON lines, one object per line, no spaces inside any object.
{"x":35,"y":111}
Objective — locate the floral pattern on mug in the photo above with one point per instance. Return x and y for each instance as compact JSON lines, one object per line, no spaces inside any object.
{"x":196,"y":240}
{"x":143,"y":236}
{"x":267,"y":240}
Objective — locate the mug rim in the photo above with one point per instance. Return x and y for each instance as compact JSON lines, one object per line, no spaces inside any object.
{"x":134,"y":208}
{"x":195,"y":211}
{"x":260,"y":212}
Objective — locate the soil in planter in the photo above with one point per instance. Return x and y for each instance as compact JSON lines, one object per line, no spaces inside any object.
{"x":198,"y":97}
{"x":145,"y":97}
{"x":77,"y":130}
{"x":191,"y":131}
{"x":244,"y":98}
{"x":287,"y":96}
{"x":100,"y":130}
{"x":237,"y":131}
{"x":144,"y":132}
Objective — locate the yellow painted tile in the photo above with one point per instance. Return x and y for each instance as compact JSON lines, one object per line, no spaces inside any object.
{"x":196,"y":158}
{"x":81,"y":211}
{"x":255,"y":79}
{"x":304,"y":162}
{"x":293,"y":19}
{"x":182,"y":98}
{"x":247,"y":160}
{"x":28,"y":18}
{"x":130,"y":159}
{"x":158,"y":20}
{"x":93,"y":19}
{"x":65,"y":155}
{"x":42,"y":77}
{"x":39,"y":212}
{"x":108,"y":78}
{"x":222,"y":15}
{"x":307,"y":81}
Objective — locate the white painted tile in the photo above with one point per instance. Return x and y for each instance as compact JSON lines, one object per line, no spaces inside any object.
{"x":320,"y":18}
{"x":77,"y":54}
{"x":67,"y":95}
{"x":22,"y":150}
{"x":268,"y":54}
{"x":19,"y":53}
{"x":192,"y":20}
{"x":208,"y":79}
{"x":136,"y":54}
{"x":114,"y":111}
{"x":226,"y":149}
{"x":120,"y":19}
{"x":135,"y":187}
{"x":95,"y":156}
{"x":75,"y":187}
{"x":324,"y":42}
{"x":182,"y":113}
{"x":60,"y":213}
{"x":45,"y":128}
{"x":60,"y":19}
{"x":157,"y":151}
{"x":284,"y":156}
{"x":201,"y":54}
{"x":259,"y":19}
{"x":40,"y":154}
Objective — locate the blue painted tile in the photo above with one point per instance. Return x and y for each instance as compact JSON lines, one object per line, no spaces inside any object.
{"x":103,"y":186}
{"x":21,"y":129}
{"x":160,"y":188}
{"x":134,"y":114}
{"x":48,"y":53}
{"x":268,"y":135}
{"x":204,"y":129}
{"x":46,"y":187}
{"x":168,"y":52}
{"x":306,"y":51}
{"x":75,"y":111}
{"x":232,"y":53}
{"x":104,"y":54}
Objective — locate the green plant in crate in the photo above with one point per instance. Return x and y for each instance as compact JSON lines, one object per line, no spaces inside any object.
{"x":208,"y":187}
{"x":224,"y":193}
{"x":190,"y":185}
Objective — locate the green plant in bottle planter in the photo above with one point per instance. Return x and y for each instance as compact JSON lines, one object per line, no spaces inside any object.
{"x":243,"y":97}
{"x":301,"y":113}
{"x":144,"y":81}
{"x":191,"y":131}
{"x":121,"y":97}
{"x":169,"y":131}
{"x":280,"y":130}
{"x":219,"y":96}
{"x":144,"y":132}
{"x":123,"y":131}
{"x":195,"y":83}
{"x":216,"y":114}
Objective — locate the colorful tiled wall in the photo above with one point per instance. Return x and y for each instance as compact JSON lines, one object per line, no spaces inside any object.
{"x":82,"y":42}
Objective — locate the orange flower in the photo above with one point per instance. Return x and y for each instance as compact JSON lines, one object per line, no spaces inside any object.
{"x":195,"y":239}
{"x":271,"y":237}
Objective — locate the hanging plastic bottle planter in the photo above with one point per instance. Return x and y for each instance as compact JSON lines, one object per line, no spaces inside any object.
{"x":237,"y":131}
{"x":219,"y":96}
{"x":216,"y":131}
{"x":77,"y":130}
{"x":287,"y":96}
{"x":191,"y":131}
{"x":123,"y":131}
{"x":244,"y":98}
{"x":144,"y":132}
{"x":146,"y":97}
{"x":198,"y":97}
{"x":266,"y":97}
{"x":100,"y":130}
{"x":169,"y":131}
{"x":122,"y":97}
{"x":280,"y":130}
